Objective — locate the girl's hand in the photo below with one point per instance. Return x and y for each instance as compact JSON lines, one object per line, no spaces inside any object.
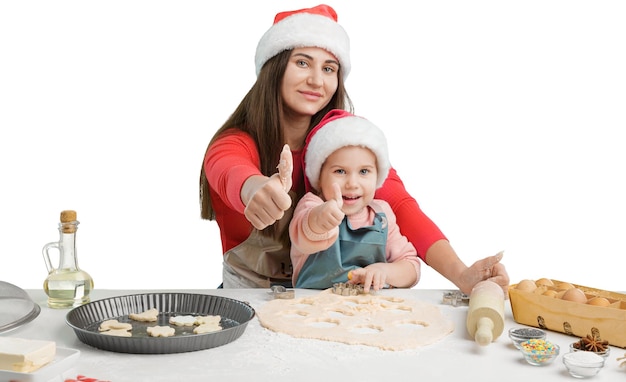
{"x":328,"y":215}
{"x":373,"y":276}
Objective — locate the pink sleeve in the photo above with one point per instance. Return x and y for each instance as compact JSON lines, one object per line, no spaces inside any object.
{"x":398,"y":246}
{"x":304,"y":242}
{"x":229,"y":161}
{"x":416,"y":226}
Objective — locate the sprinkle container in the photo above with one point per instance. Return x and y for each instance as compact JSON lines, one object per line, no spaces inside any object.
{"x":539,"y":352}
{"x":583,"y":364}
{"x":519,"y":335}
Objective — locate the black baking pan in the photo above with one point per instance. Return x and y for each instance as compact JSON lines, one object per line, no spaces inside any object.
{"x":86,"y":319}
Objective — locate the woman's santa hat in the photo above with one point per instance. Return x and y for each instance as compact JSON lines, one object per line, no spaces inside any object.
{"x":338,"y":129}
{"x":309,"y":27}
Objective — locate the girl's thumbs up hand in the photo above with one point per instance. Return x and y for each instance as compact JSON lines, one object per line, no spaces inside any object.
{"x":328,"y":215}
{"x":337,"y":197}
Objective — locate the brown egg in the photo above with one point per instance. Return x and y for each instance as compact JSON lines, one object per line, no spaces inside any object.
{"x":550,"y":293}
{"x":599,"y":301}
{"x":526,"y":285}
{"x":575,"y":295}
{"x":540,"y":289}
{"x":565,"y":286}
{"x":560,"y":294}
{"x":544,"y":281}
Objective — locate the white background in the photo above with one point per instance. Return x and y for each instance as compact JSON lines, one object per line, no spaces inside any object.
{"x":505,"y":121}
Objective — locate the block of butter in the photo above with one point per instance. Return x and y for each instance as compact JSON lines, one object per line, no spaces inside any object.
{"x":24,"y":355}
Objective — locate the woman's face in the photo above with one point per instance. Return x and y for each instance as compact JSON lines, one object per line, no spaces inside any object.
{"x":310,"y":81}
{"x":354,"y":169}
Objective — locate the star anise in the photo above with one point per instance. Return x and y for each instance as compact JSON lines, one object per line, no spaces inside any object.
{"x":592,"y":343}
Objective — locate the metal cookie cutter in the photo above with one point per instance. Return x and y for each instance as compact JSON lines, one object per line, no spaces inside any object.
{"x":455,"y":298}
{"x":279,"y":291}
{"x":345,"y":289}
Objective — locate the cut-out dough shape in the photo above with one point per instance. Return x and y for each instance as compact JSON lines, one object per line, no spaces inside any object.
{"x":118,"y":333}
{"x":386,"y":317}
{"x":160,"y":331}
{"x":114,"y":324}
{"x":149,"y":315}
{"x":207,"y":320}
{"x":207,"y":328}
{"x":183,"y":320}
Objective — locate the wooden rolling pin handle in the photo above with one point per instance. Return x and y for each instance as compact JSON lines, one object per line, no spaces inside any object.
{"x":484,"y":331}
{"x":485,"y":315}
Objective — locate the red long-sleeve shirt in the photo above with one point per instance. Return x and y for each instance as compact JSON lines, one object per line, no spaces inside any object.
{"x":233,"y":158}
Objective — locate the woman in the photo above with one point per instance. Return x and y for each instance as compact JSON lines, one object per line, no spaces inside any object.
{"x":301,"y":62}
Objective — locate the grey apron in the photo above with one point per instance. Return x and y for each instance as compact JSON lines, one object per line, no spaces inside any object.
{"x":354,"y":248}
{"x":259,"y":261}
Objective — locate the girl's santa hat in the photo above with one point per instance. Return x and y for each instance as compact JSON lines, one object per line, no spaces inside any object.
{"x":309,"y":27}
{"x":338,"y":129}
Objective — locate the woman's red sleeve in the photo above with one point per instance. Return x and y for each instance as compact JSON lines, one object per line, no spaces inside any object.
{"x":413,"y":222}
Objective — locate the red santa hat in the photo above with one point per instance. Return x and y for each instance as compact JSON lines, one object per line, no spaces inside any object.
{"x":338,"y":129}
{"x":309,"y":27}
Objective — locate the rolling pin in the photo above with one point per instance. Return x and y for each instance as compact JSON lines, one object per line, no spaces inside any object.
{"x":485,"y":315}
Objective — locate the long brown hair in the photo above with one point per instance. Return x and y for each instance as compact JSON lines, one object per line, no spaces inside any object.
{"x":258,"y":115}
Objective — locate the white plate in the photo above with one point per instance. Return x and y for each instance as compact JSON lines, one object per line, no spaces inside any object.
{"x":64,"y":360}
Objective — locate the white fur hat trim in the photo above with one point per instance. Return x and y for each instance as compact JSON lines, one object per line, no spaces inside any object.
{"x":346,"y":131}
{"x":305,"y":30}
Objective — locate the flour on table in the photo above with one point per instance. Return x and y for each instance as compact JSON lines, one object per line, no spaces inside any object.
{"x":387,"y":322}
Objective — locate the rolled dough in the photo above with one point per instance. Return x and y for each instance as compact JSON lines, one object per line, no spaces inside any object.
{"x":390,"y":323}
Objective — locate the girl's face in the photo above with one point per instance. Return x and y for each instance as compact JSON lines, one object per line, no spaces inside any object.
{"x":354,"y":169}
{"x":310,"y":81}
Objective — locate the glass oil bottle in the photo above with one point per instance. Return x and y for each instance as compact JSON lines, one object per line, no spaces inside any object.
{"x":67,"y":285}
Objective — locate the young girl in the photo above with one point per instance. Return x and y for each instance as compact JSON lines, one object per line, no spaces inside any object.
{"x":339,"y":232}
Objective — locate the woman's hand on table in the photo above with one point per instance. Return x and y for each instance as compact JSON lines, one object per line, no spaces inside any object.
{"x":488,"y":268}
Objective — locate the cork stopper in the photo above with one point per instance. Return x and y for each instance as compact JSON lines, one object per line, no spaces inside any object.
{"x":68,"y":216}
{"x":68,"y":221}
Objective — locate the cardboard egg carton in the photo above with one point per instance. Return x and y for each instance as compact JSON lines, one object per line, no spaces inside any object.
{"x":534,"y":308}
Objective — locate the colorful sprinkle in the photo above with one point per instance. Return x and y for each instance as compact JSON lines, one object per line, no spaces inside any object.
{"x":539,"y":350}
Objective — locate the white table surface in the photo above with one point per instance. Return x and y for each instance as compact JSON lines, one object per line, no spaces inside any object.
{"x":262,"y":355}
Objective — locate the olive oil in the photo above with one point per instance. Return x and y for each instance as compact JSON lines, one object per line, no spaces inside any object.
{"x":67,"y":288}
{"x":67,"y":285}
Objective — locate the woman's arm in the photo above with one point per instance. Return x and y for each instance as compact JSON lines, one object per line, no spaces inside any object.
{"x":432,"y":246}
{"x":232,"y":167}
{"x":228,"y":163}
{"x":414,"y":224}
{"x":444,"y":260}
